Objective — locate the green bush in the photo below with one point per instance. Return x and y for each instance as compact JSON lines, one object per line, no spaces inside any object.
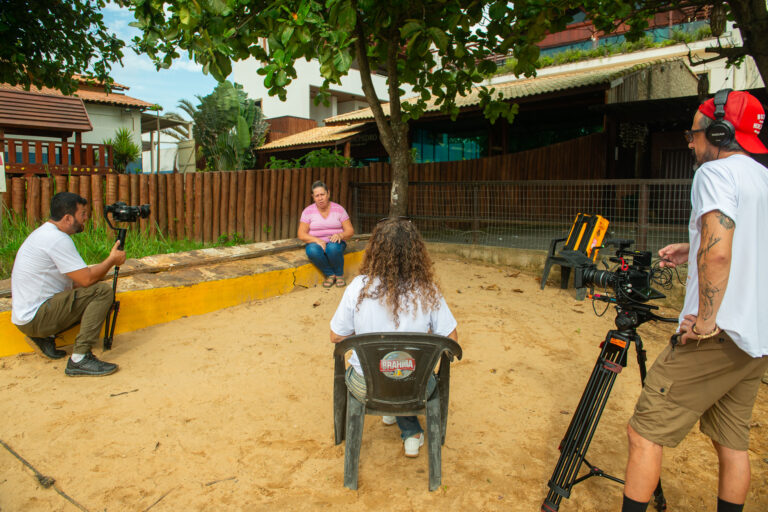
{"x":124,"y":150}
{"x":316,"y":158}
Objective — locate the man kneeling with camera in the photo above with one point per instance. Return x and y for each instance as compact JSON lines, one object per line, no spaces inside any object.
{"x":53,"y":289}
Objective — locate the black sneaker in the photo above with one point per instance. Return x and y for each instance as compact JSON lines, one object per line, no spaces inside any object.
{"x":89,"y":365}
{"x":47,"y":347}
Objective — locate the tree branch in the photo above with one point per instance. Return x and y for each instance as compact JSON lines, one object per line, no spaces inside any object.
{"x":731,"y":54}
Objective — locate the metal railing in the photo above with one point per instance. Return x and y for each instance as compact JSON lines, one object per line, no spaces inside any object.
{"x":528,"y":214}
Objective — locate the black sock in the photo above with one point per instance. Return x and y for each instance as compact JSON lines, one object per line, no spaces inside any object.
{"x":630,"y":505}
{"x":727,"y":506}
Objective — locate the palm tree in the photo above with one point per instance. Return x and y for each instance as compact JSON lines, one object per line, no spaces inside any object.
{"x":228,"y":127}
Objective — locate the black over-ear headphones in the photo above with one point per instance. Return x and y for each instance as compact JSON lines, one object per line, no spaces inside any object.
{"x":721,"y":132}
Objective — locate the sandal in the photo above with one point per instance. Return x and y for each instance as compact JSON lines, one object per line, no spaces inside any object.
{"x":340,"y":282}
{"x":329,"y":281}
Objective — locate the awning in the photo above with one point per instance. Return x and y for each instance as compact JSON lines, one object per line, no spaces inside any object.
{"x":149,"y":122}
{"x":29,"y":113}
{"x":320,"y":136}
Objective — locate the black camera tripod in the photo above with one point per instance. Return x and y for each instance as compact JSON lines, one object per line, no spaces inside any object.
{"x":114,"y":309}
{"x":613,"y":357}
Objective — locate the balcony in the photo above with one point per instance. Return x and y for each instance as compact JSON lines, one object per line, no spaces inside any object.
{"x":45,"y":157}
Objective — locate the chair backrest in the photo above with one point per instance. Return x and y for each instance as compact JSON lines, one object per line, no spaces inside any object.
{"x":587,"y":233}
{"x":397,"y":366}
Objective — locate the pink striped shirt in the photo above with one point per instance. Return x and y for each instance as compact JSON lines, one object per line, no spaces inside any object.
{"x":321,"y":227}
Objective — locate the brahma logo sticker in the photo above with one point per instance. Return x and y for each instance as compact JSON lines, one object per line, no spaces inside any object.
{"x":397,"y":365}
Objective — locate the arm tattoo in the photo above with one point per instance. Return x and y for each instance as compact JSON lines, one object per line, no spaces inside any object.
{"x":725,"y":221}
{"x":711,"y":242}
{"x":707,"y":306}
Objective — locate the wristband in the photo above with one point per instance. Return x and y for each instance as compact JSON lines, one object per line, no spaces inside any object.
{"x":708,"y":335}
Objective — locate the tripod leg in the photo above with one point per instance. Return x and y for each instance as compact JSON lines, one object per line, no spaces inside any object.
{"x":111,"y":320}
{"x":573,"y":448}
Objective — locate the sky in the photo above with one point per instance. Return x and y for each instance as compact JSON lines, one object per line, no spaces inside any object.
{"x":184,"y":80}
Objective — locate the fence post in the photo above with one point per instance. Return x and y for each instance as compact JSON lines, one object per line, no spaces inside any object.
{"x":355,"y":206}
{"x":642,"y":217}
{"x":475,"y":212}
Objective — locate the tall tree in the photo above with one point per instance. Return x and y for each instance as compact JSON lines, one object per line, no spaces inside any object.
{"x":441,"y":48}
{"x":45,"y":43}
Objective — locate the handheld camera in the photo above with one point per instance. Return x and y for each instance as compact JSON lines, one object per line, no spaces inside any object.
{"x":121,"y":212}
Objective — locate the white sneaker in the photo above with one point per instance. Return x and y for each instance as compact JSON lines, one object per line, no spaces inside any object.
{"x":412,"y":445}
{"x":388,"y":420}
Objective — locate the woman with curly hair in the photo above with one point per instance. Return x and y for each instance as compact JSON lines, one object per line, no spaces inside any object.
{"x":396,"y":291}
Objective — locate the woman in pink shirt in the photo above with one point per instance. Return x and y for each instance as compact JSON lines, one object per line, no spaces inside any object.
{"x":325,"y":227}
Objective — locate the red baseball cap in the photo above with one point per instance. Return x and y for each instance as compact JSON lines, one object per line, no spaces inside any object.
{"x":746,"y":114}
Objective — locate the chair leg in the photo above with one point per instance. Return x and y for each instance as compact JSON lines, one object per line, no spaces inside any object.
{"x":434,"y":447}
{"x":354,"y":435}
{"x":545,"y":274}
{"x":581,"y":293}
{"x":565,"y":273}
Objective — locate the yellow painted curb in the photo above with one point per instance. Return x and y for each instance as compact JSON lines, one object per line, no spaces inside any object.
{"x":142,"y":308}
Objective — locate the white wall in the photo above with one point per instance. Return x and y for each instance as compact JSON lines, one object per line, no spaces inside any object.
{"x":106,"y":119}
{"x":168,"y":150}
{"x":299,"y":101}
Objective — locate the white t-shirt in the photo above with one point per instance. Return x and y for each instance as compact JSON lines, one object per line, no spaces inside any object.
{"x":737,"y":186}
{"x":39,"y":270}
{"x":372,"y":316}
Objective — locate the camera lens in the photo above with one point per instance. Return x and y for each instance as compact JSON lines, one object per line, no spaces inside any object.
{"x":598,"y":278}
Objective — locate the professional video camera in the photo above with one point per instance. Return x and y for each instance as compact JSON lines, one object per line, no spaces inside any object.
{"x":630,"y":281}
{"x":121,"y":212}
{"x":631,"y":288}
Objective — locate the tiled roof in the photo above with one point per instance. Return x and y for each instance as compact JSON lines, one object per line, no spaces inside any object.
{"x":521,"y":87}
{"x":319,"y":135}
{"x":91,"y":95}
{"x":23,"y":110}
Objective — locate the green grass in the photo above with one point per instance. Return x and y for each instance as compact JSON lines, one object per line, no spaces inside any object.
{"x":96,"y":241}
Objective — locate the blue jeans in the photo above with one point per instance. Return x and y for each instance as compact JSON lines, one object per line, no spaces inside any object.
{"x":331,"y":261}
{"x":409,"y":425}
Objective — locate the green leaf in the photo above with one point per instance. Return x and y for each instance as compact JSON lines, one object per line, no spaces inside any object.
{"x":184,"y":15}
{"x":346,"y":17}
{"x":439,"y":37}
{"x":243,"y":133}
{"x":281,"y":80}
{"x":497,"y":10}
{"x":286,"y":35}
{"x":342,"y":61}
{"x":410,"y":28}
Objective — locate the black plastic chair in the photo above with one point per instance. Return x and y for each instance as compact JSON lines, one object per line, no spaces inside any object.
{"x":586,"y":236}
{"x":397,"y":367}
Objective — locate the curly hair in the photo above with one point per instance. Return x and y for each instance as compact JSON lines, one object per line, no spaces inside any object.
{"x":397,"y":256}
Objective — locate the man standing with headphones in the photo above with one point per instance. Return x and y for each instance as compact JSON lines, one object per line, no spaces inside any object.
{"x":710,"y":372}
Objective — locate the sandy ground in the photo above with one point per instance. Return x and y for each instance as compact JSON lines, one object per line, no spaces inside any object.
{"x":232,"y":411}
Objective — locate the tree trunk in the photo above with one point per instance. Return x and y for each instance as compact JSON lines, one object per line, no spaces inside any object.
{"x":400,"y":159}
{"x":752,"y":21}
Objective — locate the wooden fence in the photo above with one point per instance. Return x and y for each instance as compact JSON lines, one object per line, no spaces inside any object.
{"x":261,"y":205}
{"x":258,"y":205}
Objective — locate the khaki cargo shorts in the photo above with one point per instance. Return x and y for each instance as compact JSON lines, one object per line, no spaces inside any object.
{"x":713,"y":381}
